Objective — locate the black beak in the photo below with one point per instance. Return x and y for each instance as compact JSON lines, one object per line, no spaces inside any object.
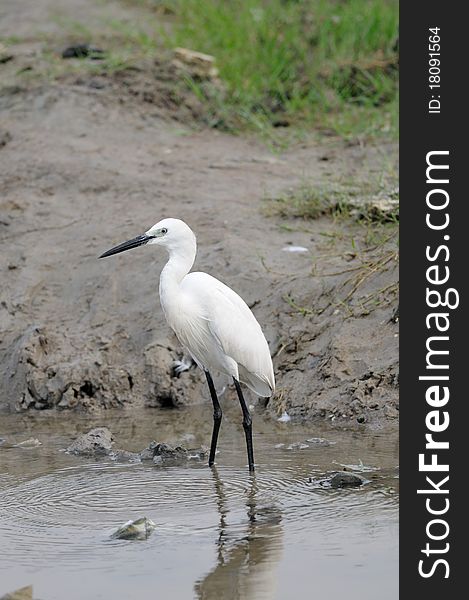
{"x":140,"y":240}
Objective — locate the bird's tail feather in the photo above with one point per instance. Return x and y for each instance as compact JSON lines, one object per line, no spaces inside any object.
{"x":257,"y":383}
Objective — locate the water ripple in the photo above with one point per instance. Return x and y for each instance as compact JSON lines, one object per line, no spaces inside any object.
{"x":73,"y":510}
{"x":61,"y":513}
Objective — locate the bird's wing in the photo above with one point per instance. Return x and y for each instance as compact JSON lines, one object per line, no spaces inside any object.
{"x":233,"y":325}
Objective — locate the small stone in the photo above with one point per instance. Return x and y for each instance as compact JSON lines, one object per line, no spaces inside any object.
{"x":69,"y":399}
{"x":82,"y":51}
{"x":317,"y":441}
{"x":24,"y":593}
{"x":198,"y":453}
{"x":297,"y":446}
{"x":197,"y":64}
{"x":149,"y":452}
{"x":125,"y":456}
{"x":162,"y":451}
{"x":29,"y":443}
{"x":346,"y":479}
{"x":5,"y":56}
{"x":263,"y":515}
{"x":5,"y":137}
{"x":97,"y":442}
{"x":96,"y":84}
{"x":140,"y":529}
{"x":167,"y":451}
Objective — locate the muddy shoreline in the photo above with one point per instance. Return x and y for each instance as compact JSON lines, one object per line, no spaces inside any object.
{"x":84,"y":166}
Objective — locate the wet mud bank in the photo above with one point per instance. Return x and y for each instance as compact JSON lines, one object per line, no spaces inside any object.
{"x":81,"y":170}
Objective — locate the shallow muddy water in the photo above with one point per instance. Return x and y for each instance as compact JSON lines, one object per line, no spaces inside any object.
{"x":219,"y":533}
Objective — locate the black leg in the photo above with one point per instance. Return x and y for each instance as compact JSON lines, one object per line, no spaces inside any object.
{"x":247,"y":425}
{"x":217,"y":414}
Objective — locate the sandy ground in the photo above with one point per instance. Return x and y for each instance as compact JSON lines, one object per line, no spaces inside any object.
{"x":84,"y":166}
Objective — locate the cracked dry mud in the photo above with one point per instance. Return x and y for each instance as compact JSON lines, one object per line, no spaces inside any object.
{"x":84,"y":167}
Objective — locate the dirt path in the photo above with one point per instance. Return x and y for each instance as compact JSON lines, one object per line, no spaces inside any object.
{"x":81,"y":171}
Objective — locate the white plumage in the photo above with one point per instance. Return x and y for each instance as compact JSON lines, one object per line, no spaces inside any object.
{"x":220,"y":332}
{"x":211,"y":321}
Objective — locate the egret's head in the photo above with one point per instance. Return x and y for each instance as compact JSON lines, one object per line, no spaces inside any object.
{"x":173,"y":234}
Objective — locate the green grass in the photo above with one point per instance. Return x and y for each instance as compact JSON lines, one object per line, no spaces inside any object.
{"x":332,"y":64}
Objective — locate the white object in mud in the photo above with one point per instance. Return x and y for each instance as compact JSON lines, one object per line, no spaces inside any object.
{"x":211,"y":321}
{"x":295,"y":249}
{"x":196,"y":63}
{"x":140,"y":529}
{"x":284,"y":418}
{"x":29,"y":443}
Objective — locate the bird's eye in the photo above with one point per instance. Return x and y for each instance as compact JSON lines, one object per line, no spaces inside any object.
{"x":164,"y":230}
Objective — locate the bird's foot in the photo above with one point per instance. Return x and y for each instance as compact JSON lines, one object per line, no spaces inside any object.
{"x":180,"y":366}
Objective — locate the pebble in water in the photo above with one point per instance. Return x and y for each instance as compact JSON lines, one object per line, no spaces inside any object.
{"x":140,"y":529}
{"x":297,"y":446}
{"x":317,"y":441}
{"x":97,"y":442}
{"x":29,"y":443}
{"x":163,"y":453}
{"x":346,"y":479}
{"x":24,"y":593}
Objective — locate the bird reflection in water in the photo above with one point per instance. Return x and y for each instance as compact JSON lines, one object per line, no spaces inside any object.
{"x":247,"y":557}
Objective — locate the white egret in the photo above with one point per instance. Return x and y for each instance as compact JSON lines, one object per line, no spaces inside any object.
{"x":211,"y":321}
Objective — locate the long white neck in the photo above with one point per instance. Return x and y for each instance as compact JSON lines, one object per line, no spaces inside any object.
{"x":181,"y":259}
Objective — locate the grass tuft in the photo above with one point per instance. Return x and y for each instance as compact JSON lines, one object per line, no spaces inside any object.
{"x":366,"y":203}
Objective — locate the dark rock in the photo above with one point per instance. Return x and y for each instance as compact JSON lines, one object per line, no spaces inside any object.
{"x":149,"y":452}
{"x":163,"y":453}
{"x":97,"y":84}
{"x":346,"y":479}
{"x":5,"y":137}
{"x":5,"y":56}
{"x":125,"y":456}
{"x":83,"y":51}
{"x":265,"y":515}
{"x":97,"y":442}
